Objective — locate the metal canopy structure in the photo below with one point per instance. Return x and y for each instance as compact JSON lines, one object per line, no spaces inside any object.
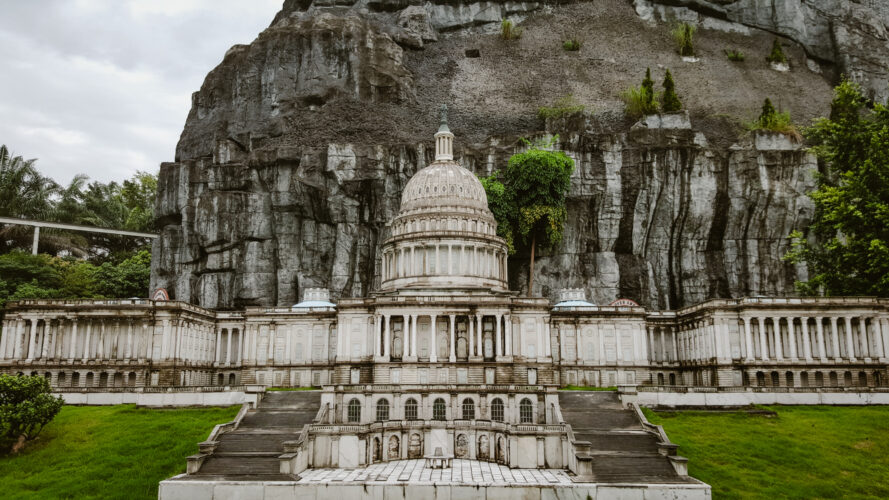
{"x":70,"y":227}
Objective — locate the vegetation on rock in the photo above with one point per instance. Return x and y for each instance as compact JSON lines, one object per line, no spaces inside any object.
{"x":772,"y":120}
{"x":734,"y":55}
{"x":683,"y":35}
{"x":642,"y":100}
{"x":572,"y":44}
{"x":847,"y":245}
{"x":670,"y":102}
{"x":777,"y":56}
{"x":528,"y":199}
{"x":565,"y":105}
{"x":509,"y":31}
{"x":26,"y":406}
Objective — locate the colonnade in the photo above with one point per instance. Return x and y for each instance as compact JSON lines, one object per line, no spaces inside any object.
{"x":295,"y":347}
{"x":474,"y":335}
{"x":842,"y":338}
{"x":663,"y":344}
{"x":444,"y":259}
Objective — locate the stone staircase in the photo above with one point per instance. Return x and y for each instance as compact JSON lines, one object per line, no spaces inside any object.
{"x":250,"y":452}
{"x":621,"y":450}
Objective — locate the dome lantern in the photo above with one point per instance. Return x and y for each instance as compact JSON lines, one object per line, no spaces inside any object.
{"x":444,"y":139}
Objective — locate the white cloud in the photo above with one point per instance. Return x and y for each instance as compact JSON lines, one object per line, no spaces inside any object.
{"x":102,"y":87}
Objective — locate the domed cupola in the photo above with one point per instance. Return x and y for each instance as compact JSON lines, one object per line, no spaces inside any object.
{"x":444,"y":236}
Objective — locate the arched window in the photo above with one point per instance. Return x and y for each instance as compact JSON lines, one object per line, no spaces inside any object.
{"x":497,"y":410}
{"x":382,"y":410}
{"x":468,"y":409}
{"x":410,"y":409}
{"x":788,"y":377}
{"x":354,"y":411}
{"x":526,"y":412}
{"x":438,"y":409}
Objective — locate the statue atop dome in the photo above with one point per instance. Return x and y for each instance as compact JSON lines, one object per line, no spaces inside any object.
{"x":443,"y":119}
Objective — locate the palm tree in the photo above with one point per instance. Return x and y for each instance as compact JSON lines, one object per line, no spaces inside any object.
{"x":24,"y":193}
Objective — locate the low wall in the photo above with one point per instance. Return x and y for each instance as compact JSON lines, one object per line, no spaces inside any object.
{"x":690,"y":398}
{"x":159,"y":399}
{"x":173,"y":489}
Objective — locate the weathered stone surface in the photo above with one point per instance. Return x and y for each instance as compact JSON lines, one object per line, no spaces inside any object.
{"x":297,"y":148}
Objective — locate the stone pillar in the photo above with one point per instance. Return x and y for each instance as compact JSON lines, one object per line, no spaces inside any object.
{"x":807,"y":342}
{"x":218,"y":346}
{"x":675,"y":347}
{"x":779,"y":343}
{"x":228,"y":348}
{"x":878,"y":338}
{"x":618,"y":348}
{"x":87,"y":340}
{"x":651,"y":349}
{"x":406,"y":335}
{"x":270,"y":355}
{"x":763,"y":343}
{"x":663,"y":346}
{"x":834,"y":338}
{"x":471,"y":334}
{"x":547,"y":340}
{"x":480,"y":346}
{"x":72,"y":348}
{"x":433,"y":357}
{"x":863,"y":344}
{"x":414,"y":336}
{"x":850,"y":349}
{"x":387,"y":334}
{"x":378,"y":327}
{"x":791,"y":338}
{"x":288,"y":343}
{"x":498,"y":345}
{"x":508,"y":335}
{"x":453,"y":356}
{"x":32,"y":341}
{"x":129,"y":349}
{"x":820,"y":333}
{"x":748,"y":340}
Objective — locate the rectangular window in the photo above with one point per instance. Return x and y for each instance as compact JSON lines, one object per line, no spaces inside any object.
{"x":395,"y":375}
{"x":462,"y":375}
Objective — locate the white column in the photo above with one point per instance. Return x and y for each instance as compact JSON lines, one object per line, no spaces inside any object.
{"x":779,"y":345}
{"x":850,"y":349}
{"x":73,"y":344}
{"x":228,"y":347}
{"x":387,"y":333}
{"x":453,"y":356}
{"x":675,"y":347}
{"x":498,"y":345}
{"x":86,"y":344}
{"x":32,"y":341}
{"x":288,"y":344}
{"x":807,"y":342}
{"x":763,"y":343}
{"x":548,"y":344}
{"x":618,"y":348}
{"x":663,"y":346}
{"x":218,"y":345}
{"x":820,"y":332}
{"x":378,"y":330}
{"x":878,"y":338}
{"x":748,"y":339}
{"x":129,"y":348}
{"x":414,"y":336}
{"x":791,"y":337}
{"x":405,"y":335}
{"x":44,"y":338}
{"x":862,"y":338}
{"x":433,"y":357}
{"x":471,"y":335}
{"x":650,"y":331}
{"x":270,"y":355}
{"x":508,"y":335}
{"x":834,"y":338}
{"x":480,"y":346}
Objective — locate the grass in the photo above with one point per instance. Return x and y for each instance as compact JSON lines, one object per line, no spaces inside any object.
{"x":572,"y":44}
{"x":108,"y":452}
{"x":803,"y":452}
{"x":779,"y":122}
{"x":734,"y":55}
{"x":563,"y":106}
{"x":280,"y":389}
{"x":509,"y":31}
{"x":639,"y":102}
{"x":587,"y":388}
{"x":684,"y":37}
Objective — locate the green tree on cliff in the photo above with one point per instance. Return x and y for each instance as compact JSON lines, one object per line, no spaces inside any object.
{"x":530,"y":209}
{"x":847,"y":245}
{"x":670,"y":102}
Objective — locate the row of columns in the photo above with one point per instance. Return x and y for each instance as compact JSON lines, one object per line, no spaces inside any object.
{"x":383,"y":344}
{"x":459,"y":260}
{"x":855,"y":343}
{"x":248,"y":348}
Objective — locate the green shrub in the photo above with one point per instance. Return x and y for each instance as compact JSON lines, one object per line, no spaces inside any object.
{"x":509,"y":31}
{"x":773,"y":120}
{"x":563,"y":106}
{"x":670,"y":102}
{"x":639,"y":101}
{"x":26,"y":406}
{"x":683,"y":35}
{"x":777,"y":55}
{"x":572,"y":44}
{"x":734,"y":55}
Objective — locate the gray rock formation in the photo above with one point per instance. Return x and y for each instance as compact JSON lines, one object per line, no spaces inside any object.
{"x":297,"y":147}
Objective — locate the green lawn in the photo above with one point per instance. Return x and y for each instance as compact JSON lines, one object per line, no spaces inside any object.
{"x":108,"y":452}
{"x":803,"y":452}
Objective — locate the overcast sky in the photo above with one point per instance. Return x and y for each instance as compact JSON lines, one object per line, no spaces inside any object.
{"x":103,"y":87}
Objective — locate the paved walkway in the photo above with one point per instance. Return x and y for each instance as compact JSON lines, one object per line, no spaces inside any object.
{"x":463,"y":472}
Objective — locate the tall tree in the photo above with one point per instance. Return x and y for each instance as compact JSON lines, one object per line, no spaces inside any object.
{"x":671,"y":102}
{"x":23,"y":193}
{"x":847,"y":245}
{"x":537,"y":181}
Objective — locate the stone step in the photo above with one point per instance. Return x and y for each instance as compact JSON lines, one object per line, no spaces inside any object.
{"x":240,"y":442}
{"x":240,"y":465}
{"x":590,"y":399}
{"x":635,"y":468}
{"x":297,"y":400}
{"x":619,"y":442}
{"x":293,"y":419}
{"x":601,"y":419}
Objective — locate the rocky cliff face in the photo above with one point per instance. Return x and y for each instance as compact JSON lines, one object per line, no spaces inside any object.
{"x":297,"y":147}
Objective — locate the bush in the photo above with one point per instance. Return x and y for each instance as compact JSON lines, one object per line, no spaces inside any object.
{"x":670,"y":102}
{"x":734,"y":55}
{"x":572,"y":44}
{"x":777,"y":55}
{"x":639,"y":101}
{"x":775,"y":121}
{"x":683,"y":35}
{"x":563,"y":106}
{"x":509,"y":31}
{"x":26,"y":406}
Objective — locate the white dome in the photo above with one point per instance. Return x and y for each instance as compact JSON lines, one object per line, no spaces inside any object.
{"x":443,"y":184}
